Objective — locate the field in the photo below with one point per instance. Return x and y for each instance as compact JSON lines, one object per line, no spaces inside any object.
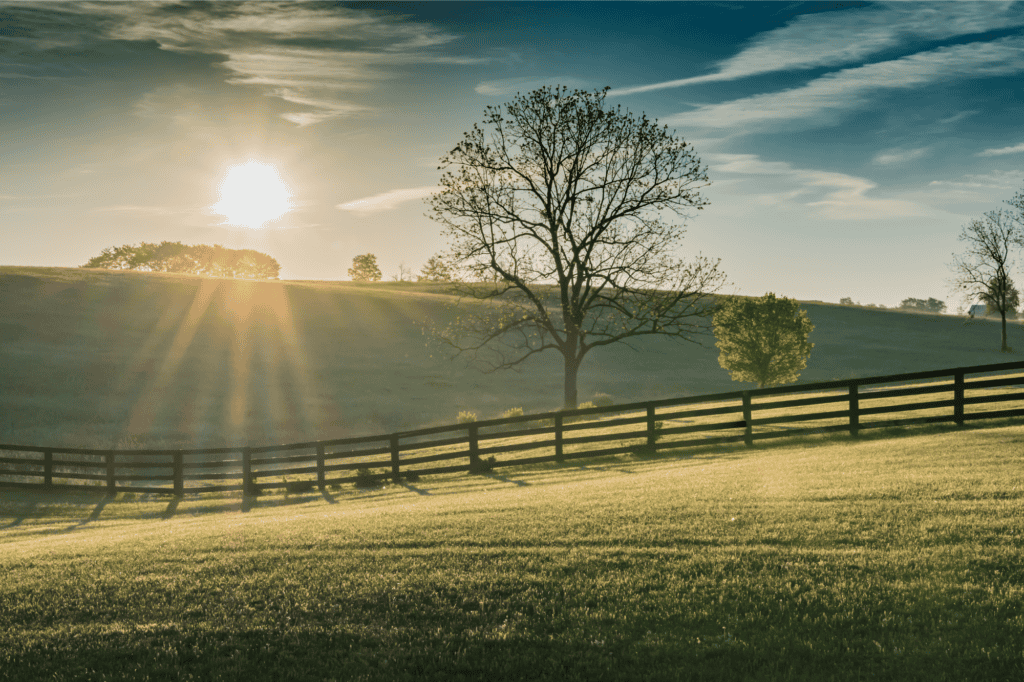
{"x":890,"y":557}
{"x":117,"y":359}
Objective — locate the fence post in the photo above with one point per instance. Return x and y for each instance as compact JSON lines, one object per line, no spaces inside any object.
{"x":854,"y":410}
{"x":48,"y":468}
{"x":559,"y":455}
{"x":474,"y":446}
{"x":651,"y":437}
{"x":179,"y":474}
{"x":958,"y":398}
{"x":395,"y":473}
{"x":748,"y":434}
{"x":248,"y":485}
{"x":321,"y":474}
{"x":111,"y":481}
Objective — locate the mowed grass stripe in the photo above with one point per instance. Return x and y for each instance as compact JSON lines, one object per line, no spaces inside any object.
{"x":883,"y":559}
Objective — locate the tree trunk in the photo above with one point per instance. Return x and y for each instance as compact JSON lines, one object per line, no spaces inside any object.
{"x":1004,"y":348}
{"x":572,"y":366}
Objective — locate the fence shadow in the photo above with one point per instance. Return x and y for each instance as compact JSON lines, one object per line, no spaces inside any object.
{"x":92,"y":517}
{"x":505,"y":479}
{"x":172,"y":507}
{"x":409,"y":486}
{"x":22,"y":514}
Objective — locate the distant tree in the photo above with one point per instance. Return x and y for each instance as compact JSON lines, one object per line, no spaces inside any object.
{"x":198,"y":259}
{"x":435,"y":270}
{"x":983,"y":270}
{"x":932,"y":305}
{"x":557,"y":210}
{"x":763,"y":340}
{"x":364,"y":269}
{"x":846,"y":301}
{"x":404,"y":274}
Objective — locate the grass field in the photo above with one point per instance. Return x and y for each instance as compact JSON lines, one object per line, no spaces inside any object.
{"x":822,"y":558}
{"x":119,"y":359}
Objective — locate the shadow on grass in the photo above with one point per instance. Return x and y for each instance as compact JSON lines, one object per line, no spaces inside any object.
{"x":22,"y":514}
{"x":92,"y":517}
{"x":327,"y":496}
{"x":409,"y":486}
{"x":172,"y":506}
{"x":504,"y":479}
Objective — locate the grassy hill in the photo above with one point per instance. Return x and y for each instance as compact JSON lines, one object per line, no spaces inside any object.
{"x":896,"y":559}
{"x":99,"y":358}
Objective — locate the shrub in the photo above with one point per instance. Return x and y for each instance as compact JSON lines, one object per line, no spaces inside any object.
{"x":367,"y":478}
{"x":512,"y":412}
{"x":482,"y":466}
{"x":603,"y":400}
{"x":298,"y":486}
{"x":466,"y":417}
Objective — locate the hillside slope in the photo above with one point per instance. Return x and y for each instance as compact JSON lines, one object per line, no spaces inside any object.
{"x":97,"y":358}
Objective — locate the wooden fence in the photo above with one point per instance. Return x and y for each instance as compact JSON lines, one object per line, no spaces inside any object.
{"x":554,"y":436}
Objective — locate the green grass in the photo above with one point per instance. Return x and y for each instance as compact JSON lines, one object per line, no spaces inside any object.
{"x":824,"y":558}
{"x":100,"y":358}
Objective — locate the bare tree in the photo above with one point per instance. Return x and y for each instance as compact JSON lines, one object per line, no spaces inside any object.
{"x":983,"y":270}
{"x":558,"y":215}
{"x":404,"y":274}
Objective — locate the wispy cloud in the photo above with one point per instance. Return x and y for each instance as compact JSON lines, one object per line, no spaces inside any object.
{"x":894,"y":156}
{"x":852,"y":88}
{"x":315,"y":55}
{"x":833,"y":195}
{"x":129,"y":208}
{"x":1015,"y":149}
{"x":844,"y":37}
{"x":510,"y":86}
{"x":387,"y":200}
{"x":996,"y":180}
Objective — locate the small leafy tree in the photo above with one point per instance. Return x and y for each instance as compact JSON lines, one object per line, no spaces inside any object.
{"x":1001,"y":290}
{"x":435,"y":270}
{"x":364,"y":269}
{"x":846,"y":301}
{"x":763,"y":340}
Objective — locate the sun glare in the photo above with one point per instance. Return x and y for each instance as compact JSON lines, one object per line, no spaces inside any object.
{"x":252,"y":195}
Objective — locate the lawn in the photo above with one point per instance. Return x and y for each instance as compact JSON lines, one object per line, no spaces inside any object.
{"x":819,"y":558}
{"x":109,"y":359}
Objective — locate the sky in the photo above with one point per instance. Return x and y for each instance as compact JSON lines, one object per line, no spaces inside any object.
{"x":847,"y":143}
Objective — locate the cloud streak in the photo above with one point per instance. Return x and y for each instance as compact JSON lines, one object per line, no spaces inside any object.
{"x":835,"y":195}
{"x":387,"y":200}
{"x":313,"y":55}
{"x":1015,"y":149}
{"x":844,"y":37}
{"x":852,"y":88}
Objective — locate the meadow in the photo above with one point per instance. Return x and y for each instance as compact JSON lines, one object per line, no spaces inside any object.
{"x":894,"y":556}
{"x":95,"y":358}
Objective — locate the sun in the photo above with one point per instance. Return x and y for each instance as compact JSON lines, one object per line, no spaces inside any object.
{"x":253,"y":194}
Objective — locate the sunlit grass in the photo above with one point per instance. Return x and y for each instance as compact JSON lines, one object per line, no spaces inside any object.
{"x":819,"y":559}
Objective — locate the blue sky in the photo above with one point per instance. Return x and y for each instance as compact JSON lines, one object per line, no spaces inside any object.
{"x":847,"y":143}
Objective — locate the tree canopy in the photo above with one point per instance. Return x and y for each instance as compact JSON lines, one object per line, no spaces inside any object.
{"x":198,"y":259}
{"x":365,"y":269}
{"x":558,"y":213}
{"x":763,"y":340}
{"x":932,"y":305}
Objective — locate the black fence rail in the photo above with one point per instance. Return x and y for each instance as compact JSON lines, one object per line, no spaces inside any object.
{"x":953,"y":395}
